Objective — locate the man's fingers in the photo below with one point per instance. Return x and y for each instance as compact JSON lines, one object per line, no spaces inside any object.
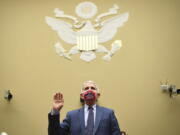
{"x":58,"y":96}
{"x":61,"y":96}
{"x":55,"y":96}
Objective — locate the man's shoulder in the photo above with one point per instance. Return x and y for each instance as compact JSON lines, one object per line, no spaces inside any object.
{"x":105,"y":109}
{"x":75,"y":111}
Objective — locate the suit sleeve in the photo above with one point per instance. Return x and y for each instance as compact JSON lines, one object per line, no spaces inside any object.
{"x":115,"y":130}
{"x":57,"y":128}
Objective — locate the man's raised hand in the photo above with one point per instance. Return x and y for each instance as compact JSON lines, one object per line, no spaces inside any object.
{"x":58,"y":101}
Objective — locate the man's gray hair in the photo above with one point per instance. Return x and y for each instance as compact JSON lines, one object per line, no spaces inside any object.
{"x":92,"y":82}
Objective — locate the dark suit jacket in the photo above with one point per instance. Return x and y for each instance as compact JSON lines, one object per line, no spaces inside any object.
{"x":74,"y":124}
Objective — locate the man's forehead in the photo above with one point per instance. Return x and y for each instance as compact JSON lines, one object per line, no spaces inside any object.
{"x":90,"y":84}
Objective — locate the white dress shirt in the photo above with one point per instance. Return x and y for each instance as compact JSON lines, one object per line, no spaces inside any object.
{"x":86,"y":113}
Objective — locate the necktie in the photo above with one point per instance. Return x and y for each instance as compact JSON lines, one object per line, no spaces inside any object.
{"x":90,"y":122}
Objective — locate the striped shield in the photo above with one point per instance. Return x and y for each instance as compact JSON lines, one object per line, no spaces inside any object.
{"x":87,"y":41}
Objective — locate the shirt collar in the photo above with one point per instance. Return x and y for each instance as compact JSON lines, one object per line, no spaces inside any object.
{"x":86,"y":107}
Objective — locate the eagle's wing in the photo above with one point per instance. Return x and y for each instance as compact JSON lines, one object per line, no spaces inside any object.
{"x":110,"y":26}
{"x":63,"y":29}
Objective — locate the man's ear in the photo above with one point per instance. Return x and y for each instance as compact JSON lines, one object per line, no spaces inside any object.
{"x":98,"y":95}
{"x":81,"y":95}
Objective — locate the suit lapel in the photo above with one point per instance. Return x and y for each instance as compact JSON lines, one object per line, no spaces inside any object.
{"x":82,"y":122}
{"x":99,"y":113}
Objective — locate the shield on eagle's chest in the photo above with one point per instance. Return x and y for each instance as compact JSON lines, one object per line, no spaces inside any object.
{"x":87,"y":38}
{"x":87,"y":41}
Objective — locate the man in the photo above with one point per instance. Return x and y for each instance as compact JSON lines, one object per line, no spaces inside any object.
{"x":91,"y":119}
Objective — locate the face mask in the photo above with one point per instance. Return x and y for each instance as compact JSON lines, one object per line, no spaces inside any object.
{"x":89,"y":95}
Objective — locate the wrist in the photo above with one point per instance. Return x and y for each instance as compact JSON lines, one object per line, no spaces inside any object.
{"x":56,"y":109}
{"x":54,"y":112}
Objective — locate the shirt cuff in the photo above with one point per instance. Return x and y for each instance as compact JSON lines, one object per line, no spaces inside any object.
{"x":54,"y":112}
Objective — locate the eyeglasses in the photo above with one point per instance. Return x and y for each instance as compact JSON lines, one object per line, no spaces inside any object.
{"x":91,"y":88}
